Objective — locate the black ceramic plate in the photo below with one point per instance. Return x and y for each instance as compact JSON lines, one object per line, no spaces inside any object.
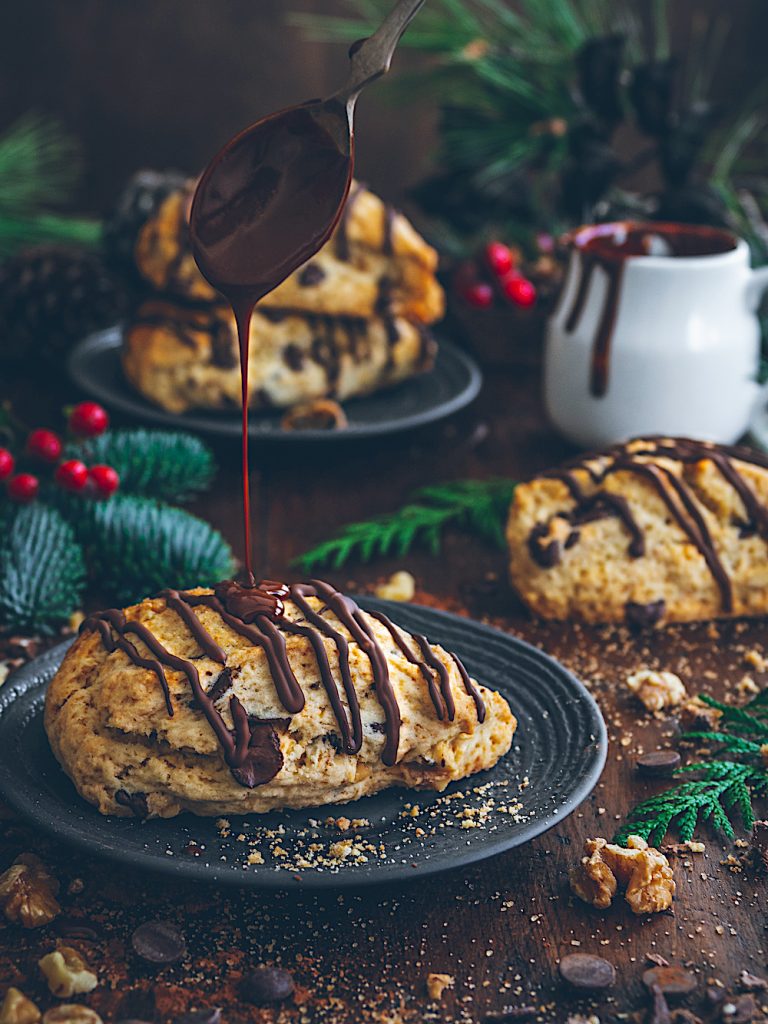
{"x":557,"y":756}
{"x":94,"y":366}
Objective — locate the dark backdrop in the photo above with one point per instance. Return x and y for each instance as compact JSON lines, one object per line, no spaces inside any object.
{"x":164,"y":82}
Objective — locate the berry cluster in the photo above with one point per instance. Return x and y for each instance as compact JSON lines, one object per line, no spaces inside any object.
{"x":44,"y":447}
{"x":495,"y":273}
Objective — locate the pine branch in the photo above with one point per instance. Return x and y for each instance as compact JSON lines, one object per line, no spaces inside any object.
{"x":479,"y":506}
{"x":136,"y":546}
{"x":42,"y":572}
{"x":164,"y":464}
{"x":738,"y":718}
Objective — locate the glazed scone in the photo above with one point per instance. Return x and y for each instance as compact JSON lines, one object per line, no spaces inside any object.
{"x":654,"y":530}
{"x":222,"y":702}
{"x":185,"y":357}
{"x":375,"y":262}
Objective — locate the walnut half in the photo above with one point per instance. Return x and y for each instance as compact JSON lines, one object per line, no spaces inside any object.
{"x":66,"y":973}
{"x":657,"y":690}
{"x":28,"y":892}
{"x":17,"y":1009}
{"x":643,"y":872}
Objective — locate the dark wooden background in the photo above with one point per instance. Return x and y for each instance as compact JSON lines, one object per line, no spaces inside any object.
{"x":165,"y":82}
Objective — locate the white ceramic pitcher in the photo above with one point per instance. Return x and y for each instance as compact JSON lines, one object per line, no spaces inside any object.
{"x":655,"y":332}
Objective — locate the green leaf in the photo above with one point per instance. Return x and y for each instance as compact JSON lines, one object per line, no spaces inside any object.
{"x":163,"y":464}
{"x":42,"y":572}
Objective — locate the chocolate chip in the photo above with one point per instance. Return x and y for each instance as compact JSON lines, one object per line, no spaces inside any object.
{"x":224,"y":352}
{"x":264,"y":758}
{"x":221,"y":684}
{"x":658,"y":763}
{"x":293,"y":356}
{"x":158,"y":942}
{"x":545,"y":555}
{"x":659,"y":1010}
{"x":135,"y":802}
{"x":644,"y":616}
{"x":311,"y":274}
{"x":586,"y":972}
{"x":267,"y":985}
{"x":193,"y":850}
{"x":212,"y":1016}
{"x":75,"y":928}
{"x":742,"y":1011}
{"x":673,"y":980}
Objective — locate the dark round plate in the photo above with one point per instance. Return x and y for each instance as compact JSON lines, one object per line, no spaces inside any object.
{"x":94,"y":366}
{"x":556,"y":759}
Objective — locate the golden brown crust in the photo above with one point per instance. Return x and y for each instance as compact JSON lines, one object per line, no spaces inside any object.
{"x":184,"y":357}
{"x":109,"y":728}
{"x":387,"y":263}
{"x":595,"y":576}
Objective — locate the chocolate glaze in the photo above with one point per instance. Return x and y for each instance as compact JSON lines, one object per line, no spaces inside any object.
{"x":251,"y":748}
{"x":672,"y":489}
{"x":609,"y":246}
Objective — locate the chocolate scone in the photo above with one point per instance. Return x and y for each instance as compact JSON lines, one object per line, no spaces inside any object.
{"x":186,"y":357}
{"x":237,"y":700}
{"x":654,"y":530}
{"x":374,"y":263}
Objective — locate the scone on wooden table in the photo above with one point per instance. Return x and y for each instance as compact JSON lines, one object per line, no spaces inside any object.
{"x":186,"y":357}
{"x":374,"y":260}
{"x":238,"y":700}
{"x":654,"y":530}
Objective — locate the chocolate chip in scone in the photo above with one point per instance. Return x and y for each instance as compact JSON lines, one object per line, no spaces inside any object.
{"x":224,"y":348}
{"x":211,"y":1016}
{"x":135,"y":802}
{"x":586,"y":972}
{"x":158,"y":942}
{"x":264,"y":758}
{"x":293,"y":356}
{"x":221,"y":684}
{"x":673,"y":980}
{"x":266,"y":985}
{"x":312,"y":274}
{"x":658,"y":763}
{"x":644,"y":616}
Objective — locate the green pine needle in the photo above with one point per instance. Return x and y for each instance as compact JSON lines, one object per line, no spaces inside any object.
{"x":42,"y":572}
{"x":136,"y":546}
{"x":163,"y":464}
{"x":479,"y":506}
{"x":725,"y":790}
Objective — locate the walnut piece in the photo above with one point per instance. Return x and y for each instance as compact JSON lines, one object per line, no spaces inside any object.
{"x":17,"y":1009}
{"x":66,"y":973}
{"x":401,"y":586}
{"x":71,"y":1013}
{"x":696,"y":716}
{"x":28,"y":892}
{"x":438,"y":983}
{"x":657,"y":690}
{"x":643,"y":872}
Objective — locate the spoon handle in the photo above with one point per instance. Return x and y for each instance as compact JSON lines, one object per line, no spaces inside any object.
{"x":372,"y":57}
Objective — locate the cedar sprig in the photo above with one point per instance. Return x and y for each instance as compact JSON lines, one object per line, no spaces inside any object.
{"x":724,"y":790}
{"x":478,"y":506}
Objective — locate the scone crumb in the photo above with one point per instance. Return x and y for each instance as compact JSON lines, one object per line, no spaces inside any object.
{"x":438,"y":983}
{"x":401,"y":586}
{"x":756,"y":660}
{"x":254,"y":857}
{"x":641,"y":870}
{"x":17,"y":1009}
{"x":28,"y":892}
{"x":71,"y":1013}
{"x":657,"y":690}
{"x":67,"y":973}
{"x":747,"y":687}
{"x":341,"y":850}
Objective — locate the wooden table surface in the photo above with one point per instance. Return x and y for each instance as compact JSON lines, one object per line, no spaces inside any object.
{"x":500,"y":927}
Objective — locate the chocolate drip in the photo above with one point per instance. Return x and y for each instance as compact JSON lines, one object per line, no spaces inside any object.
{"x":257,"y":614}
{"x":601,"y":350}
{"x":602,"y":504}
{"x":636,"y":457}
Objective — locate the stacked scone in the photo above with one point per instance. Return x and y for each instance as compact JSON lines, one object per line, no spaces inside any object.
{"x":352,"y":320}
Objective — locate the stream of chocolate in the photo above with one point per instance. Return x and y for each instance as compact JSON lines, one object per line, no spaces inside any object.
{"x":672,"y":489}
{"x":257,"y":613}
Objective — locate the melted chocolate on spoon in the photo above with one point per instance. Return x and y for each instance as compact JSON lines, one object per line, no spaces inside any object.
{"x":272,"y":197}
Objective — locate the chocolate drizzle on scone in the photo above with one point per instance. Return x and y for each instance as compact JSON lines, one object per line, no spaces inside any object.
{"x":648,"y":459}
{"x":251,"y":748}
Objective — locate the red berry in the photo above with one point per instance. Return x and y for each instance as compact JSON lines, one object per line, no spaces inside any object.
{"x":44,"y":445}
{"x":519,"y":290}
{"x":7,"y":463}
{"x":23,"y":487}
{"x":71,"y":475}
{"x":88,"y":419}
{"x":499,"y":258}
{"x":479,"y":295}
{"x":105,"y":480}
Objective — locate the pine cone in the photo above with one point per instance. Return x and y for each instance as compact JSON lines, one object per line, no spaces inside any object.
{"x":50,"y":297}
{"x":138,"y":201}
